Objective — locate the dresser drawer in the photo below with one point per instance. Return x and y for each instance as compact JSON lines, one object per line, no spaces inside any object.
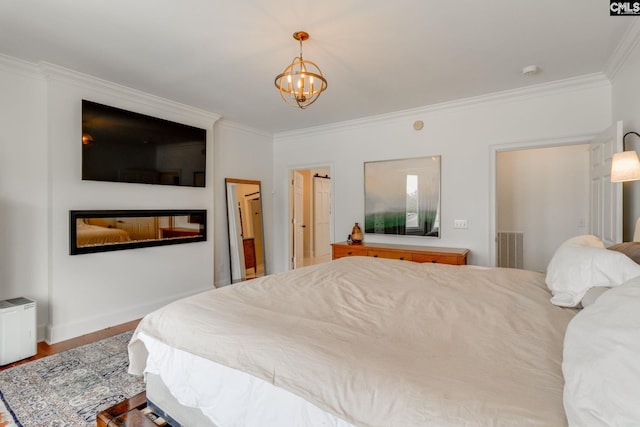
{"x":440,"y":259}
{"x":381,"y":253}
{"x":440,"y":255}
{"x":353,"y":250}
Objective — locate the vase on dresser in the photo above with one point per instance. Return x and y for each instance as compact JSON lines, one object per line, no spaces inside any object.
{"x":356,"y":234}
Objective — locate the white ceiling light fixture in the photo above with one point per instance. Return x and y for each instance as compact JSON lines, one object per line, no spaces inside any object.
{"x":302,"y":82}
{"x":625,"y":166}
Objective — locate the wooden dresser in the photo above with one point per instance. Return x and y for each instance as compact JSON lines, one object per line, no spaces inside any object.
{"x":249,"y":247}
{"x":168,"y":233}
{"x":455,"y":256}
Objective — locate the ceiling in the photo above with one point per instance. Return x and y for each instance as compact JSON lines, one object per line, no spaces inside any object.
{"x":378,"y":56}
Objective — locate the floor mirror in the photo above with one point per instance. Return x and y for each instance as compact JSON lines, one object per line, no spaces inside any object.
{"x":246,"y":229}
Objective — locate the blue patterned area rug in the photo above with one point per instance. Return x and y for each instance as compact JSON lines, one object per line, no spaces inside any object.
{"x":68,"y":388}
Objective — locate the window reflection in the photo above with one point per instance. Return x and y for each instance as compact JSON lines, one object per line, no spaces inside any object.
{"x":412,"y":202}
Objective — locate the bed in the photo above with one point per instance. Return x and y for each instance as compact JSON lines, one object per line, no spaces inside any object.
{"x":364,"y":341}
{"x":91,"y":234}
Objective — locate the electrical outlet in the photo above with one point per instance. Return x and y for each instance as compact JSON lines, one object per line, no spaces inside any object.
{"x":460,"y":223}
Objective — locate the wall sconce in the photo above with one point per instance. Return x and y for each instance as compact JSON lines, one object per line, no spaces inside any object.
{"x":625,"y":166}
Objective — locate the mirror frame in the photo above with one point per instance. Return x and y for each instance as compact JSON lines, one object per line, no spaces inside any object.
{"x":196,"y":216}
{"x":387,"y":198}
{"x":227,"y":183}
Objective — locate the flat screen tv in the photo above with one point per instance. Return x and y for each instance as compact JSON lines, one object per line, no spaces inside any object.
{"x":123,"y":146}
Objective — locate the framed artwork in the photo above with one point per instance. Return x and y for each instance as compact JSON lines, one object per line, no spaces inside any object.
{"x":403,"y":196}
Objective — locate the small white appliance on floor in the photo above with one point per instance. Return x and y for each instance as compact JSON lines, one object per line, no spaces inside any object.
{"x":17,"y":330}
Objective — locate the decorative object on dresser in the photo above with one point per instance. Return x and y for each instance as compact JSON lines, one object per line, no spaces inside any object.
{"x":112,"y":230}
{"x":454,"y":256}
{"x":356,"y":234}
{"x":403,"y":197}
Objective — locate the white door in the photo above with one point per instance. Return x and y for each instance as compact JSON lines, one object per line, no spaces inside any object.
{"x":321,"y":215}
{"x":298,"y":220}
{"x":606,"y":196}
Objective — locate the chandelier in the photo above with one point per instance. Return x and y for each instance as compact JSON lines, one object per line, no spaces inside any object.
{"x":301,"y":83}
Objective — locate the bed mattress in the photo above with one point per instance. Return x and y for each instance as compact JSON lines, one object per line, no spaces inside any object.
{"x":378,"y":342}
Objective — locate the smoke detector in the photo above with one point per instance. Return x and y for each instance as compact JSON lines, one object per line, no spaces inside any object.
{"x":530,"y":70}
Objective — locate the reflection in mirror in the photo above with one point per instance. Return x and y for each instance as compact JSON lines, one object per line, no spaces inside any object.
{"x":110,"y":230}
{"x":244,"y":216}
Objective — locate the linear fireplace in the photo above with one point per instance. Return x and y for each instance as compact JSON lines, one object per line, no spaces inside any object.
{"x":111,"y":230}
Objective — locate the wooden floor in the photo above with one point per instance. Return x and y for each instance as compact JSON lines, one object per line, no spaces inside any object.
{"x":45,"y":349}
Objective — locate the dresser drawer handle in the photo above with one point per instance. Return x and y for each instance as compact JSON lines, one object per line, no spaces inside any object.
{"x":349,"y":253}
{"x":433,"y":261}
{"x":375,"y":256}
{"x":401,"y":258}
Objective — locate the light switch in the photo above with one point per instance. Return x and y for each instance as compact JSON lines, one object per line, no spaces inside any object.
{"x":460,"y":223}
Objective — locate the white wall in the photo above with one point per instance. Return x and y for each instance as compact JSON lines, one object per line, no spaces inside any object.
{"x":24,"y":260}
{"x":543,"y":193}
{"x":40,"y":181}
{"x":461,"y":132}
{"x":92,"y":291}
{"x":626,"y":107}
{"x":243,"y":153}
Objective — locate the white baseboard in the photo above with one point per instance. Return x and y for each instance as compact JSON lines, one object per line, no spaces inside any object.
{"x":106,"y":319}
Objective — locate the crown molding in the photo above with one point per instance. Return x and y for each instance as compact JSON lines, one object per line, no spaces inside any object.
{"x":52,"y":72}
{"x":623,"y":50}
{"x":225,"y":123}
{"x":588,"y":81}
{"x":19,"y":66}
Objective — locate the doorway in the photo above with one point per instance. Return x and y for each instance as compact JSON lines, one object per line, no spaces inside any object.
{"x":542,"y":199}
{"x":551,"y":183}
{"x":310,"y":216}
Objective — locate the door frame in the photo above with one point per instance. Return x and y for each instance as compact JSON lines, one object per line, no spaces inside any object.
{"x":493,"y":176}
{"x":288,"y":212}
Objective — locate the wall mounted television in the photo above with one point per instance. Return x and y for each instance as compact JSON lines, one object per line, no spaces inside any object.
{"x":123,"y":146}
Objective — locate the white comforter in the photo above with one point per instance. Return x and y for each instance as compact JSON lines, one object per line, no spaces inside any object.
{"x":384,"y":342}
{"x":601,"y":360}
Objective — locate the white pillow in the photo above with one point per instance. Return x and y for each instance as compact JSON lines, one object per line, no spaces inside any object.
{"x":592,"y":295}
{"x":600,"y":362}
{"x":584,"y":241}
{"x":582,"y":263}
